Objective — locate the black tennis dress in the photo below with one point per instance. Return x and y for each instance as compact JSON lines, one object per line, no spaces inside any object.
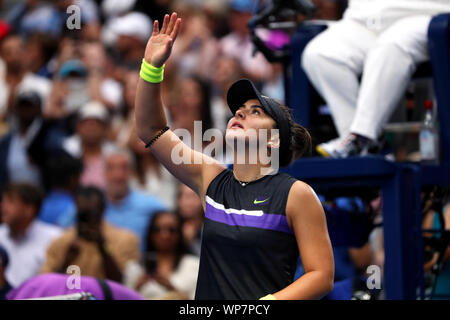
{"x":248,"y":249}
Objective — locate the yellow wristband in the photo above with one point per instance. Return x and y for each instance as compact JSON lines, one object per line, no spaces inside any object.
{"x":150,"y":73}
{"x":268,"y":297}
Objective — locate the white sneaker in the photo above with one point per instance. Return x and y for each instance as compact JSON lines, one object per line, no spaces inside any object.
{"x":327,"y":149}
{"x":354,"y":145}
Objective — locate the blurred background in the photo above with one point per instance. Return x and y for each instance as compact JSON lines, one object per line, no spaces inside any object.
{"x":79,"y":188}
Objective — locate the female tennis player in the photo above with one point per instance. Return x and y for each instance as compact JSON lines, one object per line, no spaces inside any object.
{"x":255,"y":223}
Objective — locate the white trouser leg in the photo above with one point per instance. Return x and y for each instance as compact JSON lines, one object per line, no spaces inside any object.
{"x":333,"y":61}
{"x":387,"y":72}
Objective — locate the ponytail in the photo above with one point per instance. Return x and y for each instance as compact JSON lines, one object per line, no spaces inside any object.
{"x":300,"y":141}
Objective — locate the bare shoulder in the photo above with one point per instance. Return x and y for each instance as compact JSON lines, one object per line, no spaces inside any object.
{"x":302,"y":201}
{"x":301,"y":191}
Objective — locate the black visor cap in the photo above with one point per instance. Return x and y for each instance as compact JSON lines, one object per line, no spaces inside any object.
{"x":243,"y":90}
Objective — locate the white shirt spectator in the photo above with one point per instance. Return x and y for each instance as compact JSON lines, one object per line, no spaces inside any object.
{"x":20,"y":168}
{"x":30,"y":81}
{"x":27,"y":254}
{"x":184,"y":279}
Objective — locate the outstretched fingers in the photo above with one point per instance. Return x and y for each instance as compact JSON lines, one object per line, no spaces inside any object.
{"x":174,"y":33}
{"x":165,"y":24}
{"x":173,"y":19}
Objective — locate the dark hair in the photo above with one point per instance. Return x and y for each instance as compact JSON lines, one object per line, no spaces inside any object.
{"x":181,"y":248}
{"x":27,"y":193}
{"x":91,"y":191}
{"x":300,"y":144}
{"x":47,"y":43}
{"x":61,"y":168}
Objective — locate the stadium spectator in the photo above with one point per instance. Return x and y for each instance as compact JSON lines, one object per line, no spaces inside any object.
{"x":39,"y":51}
{"x":15,"y":77}
{"x":127,"y":207}
{"x":382,"y":40}
{"x":97,"y":248}
{"x":239,"y":45}
{"x":197,"y":48}
{"x":24,"y":237}
{"x":167,"y":271}
{"x":111,"y":11}
{"x":150,"y":176}
{"x":51,"y":17}
{"x":193,"y":103}
{"x":35,"y":15}
{"x":101,"y":85}
{"x":227,"y":70}
{"x":25,"y":149}
{"x":123,"y":120}
{"x":59,"y":206}
{"x":88,"y":16}
{"x":131,"y":33}
{"x":189,"y":207}
{"x":91,"y":144}
{"x":69,"y":90}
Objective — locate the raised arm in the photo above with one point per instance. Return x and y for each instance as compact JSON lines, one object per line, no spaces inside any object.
{"x":150,"y":117}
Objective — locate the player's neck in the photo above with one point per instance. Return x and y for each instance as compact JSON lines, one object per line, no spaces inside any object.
{"x":247,"y":166}
{"x":248,"y":172}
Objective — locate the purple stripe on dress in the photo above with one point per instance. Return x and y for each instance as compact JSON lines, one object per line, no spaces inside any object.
{"x":276,"y":222}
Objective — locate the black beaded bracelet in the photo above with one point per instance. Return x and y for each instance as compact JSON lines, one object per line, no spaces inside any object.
{"x":156,"y":137}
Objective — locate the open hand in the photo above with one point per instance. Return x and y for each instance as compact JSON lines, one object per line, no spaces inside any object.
{"x":159,"y":46}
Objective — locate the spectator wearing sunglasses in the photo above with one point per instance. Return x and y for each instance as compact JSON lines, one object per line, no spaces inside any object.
{"x":168,"y":270}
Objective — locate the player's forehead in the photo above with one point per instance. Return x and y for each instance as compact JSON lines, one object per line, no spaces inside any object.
{"x":251,"y":104}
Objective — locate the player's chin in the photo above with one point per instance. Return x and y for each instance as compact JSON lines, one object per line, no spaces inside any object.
{"x":235,"y":133}
{"x":241,"y":136}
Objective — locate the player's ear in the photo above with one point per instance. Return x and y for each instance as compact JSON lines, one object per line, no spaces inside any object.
{"x":274,"y":141}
